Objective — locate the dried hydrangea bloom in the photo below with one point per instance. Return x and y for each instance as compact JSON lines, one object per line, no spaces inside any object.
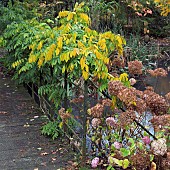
{"x":97,"y":110}
{"x":128,"y":96}
{"x":132,"y":81}
{"x":80,"y":99}
{"x":159,"y":146}
{"x":95,"y":122}
{"x":119,"y":62}
{"x":95,"y":162}
{"x":160,"y":121}
{"x":167,"y":96}
{"x":114,"y":87}
{"x":135,"y":67}
{"x":140,"y":160}
{"x":126,"y":118}
{"x":106,"y":102}
{"x":155,"y":102}
{"x":64,"y":114}
{"x":150,"y":88}
{"x":158,"y":72}
{"x":166,"y":162}
{"x":110,"y":121}
{"x":140,"y":106}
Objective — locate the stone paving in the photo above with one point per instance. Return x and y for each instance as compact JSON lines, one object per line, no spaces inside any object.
{"x":22,"y":147}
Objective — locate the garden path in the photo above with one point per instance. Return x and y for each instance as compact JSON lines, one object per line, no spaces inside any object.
{"x":22,"y":147}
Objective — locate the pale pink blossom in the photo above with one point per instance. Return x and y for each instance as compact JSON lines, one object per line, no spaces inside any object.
{"x":149,"y":11}
{"x":146,"y":140}
{"x":132,"y":81}
{"x":95,"y":162}
{"x":95,"y":122}
{"x":117,"y":145}
{"x":139,"y":14}
{"x":159,"y":146}
{"x":110,"y":121}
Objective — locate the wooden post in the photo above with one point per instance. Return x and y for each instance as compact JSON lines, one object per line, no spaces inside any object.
{"x":84,"y":122}
{"x":65,"y":99}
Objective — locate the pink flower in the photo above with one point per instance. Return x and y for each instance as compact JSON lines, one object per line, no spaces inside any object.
{"x":132,"y":81}
{"x":95,"y":162}
{"x":117,"y":145}
{"x":149,"y":11}
{"x":95,"y":122}
{"x":110,"y":121}
{"x":146,"y":140}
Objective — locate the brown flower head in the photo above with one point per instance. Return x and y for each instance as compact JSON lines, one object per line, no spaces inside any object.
{"x":128,"y":96}
{"x":97,"y":111}
{"x":119,"y":62}
{"x":159,"y":122}
{"x":64,"y":114}
{"x":156,"y":103}
{"x":126,"y":118}
{"x":140,"y":160}
{"x":106,"y":102}
{"x":167,"y":96}
{"x":135,"y":67}
{"x":114,"y":87}
{"x":158,"y":72}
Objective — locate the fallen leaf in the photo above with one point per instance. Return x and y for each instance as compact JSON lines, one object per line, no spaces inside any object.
{"x":44,"y":153}
{"x":39,"y":149}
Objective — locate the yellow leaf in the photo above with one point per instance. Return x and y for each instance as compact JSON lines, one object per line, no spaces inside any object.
{"x":106,"y":60}
{"x":67,"y":41}
{"x":71,"y":66}
{"x":87,"y":29}
{"x":40,"y":61}
{"x":82,"y":62}
{"x":70,"y":16}
{"x":49,"y":53}
{"x":32,"y":58}
{"x":123,"y":77}
{"x":85,"y":17}
{"x":40,"y":45}
{"x":85,"y":75}
{"x":57,"y":51}
{"x":80,"y":44}
{"x":86,"y":68}
{"x":98,"y":55}
{"x":74,"y":37}
{"x":153,"y":166}
{"x":62,"y":56}
{"x":63,"y":13}
{"x":63,"y":69}
{"x":60,"y":43}
{"x":74,"y":52}
{"x":60,"y":125}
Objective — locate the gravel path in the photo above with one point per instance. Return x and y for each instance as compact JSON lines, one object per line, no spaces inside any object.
{"x":22,"y":147}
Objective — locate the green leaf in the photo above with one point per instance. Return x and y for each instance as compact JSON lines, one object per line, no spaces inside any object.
{"x":125,"y":152}
{"x":93,"y":138}
{"x":151,"y":157}
{"x":110,"y":168}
